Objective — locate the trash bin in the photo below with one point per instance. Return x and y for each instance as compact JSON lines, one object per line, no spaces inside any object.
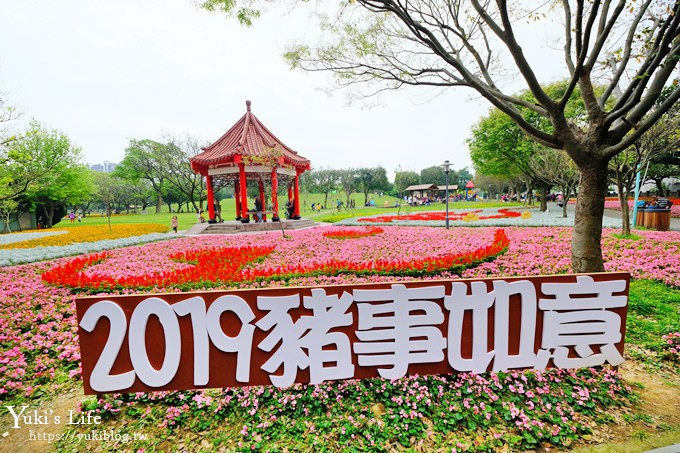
{"x":654,"y":219}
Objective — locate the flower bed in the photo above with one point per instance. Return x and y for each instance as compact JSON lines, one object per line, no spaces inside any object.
{"x":672,"y":345}
{"x":481,"y":218}
{"x":545,"y":251}
{"x":29,"y":255}
{"x":226,"y":266}
{"x":86,"y":234}
{"x":39,"y":354}
{"x":27,"y":236}
{"x":441,"y":216}
{"x":352,"y":233}
{"x":465,"y":412}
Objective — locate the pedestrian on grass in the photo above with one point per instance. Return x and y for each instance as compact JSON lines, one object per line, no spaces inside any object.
{"x":174,"y":223}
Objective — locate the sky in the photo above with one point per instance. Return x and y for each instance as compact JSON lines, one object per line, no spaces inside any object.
{"x":107,"y":72}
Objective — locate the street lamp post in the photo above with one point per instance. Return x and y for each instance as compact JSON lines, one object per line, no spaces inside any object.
{"x":446,"y":165}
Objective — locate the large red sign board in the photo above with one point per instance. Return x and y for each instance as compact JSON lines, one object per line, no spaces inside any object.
{"x":279,"y":336}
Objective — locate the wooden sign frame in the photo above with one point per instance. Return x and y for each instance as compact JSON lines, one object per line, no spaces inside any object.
{"x":178,"y":341}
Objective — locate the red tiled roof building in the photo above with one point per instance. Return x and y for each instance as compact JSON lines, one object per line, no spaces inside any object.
{"x":249,"y":151}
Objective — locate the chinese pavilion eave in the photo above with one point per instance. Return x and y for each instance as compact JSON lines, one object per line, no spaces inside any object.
{"x":249,"y":151}
{"x":249,"y":142}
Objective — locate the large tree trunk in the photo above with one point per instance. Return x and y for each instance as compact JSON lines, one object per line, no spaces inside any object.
{"x":544,"y":197}
{"x":6,"y":215}
{"x":48,"y":209}
{"x":586,"y":248}
{"x":625,"y":215}
{"x":623,"y":202}
{"x":159,"y":202}
{"x":566,"y":191}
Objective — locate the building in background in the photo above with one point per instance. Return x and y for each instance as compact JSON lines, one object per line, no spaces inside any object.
{"x":106,"y":167}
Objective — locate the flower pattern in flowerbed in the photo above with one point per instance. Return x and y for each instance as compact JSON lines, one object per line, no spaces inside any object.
{"x":441,"y":216}
{"x":86,"y":234}
{"x":352,"y":233}
{"x":227,"y":266}
{"x":39,"y":354}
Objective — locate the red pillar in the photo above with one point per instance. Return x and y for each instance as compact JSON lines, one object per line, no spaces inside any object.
{"x":264,"y":207}
{"x":237,"y":198}
{"x":275,"y":197}
{"x":296,"y":190}
{"x":244,"y":193}
{"x":211,"y":198}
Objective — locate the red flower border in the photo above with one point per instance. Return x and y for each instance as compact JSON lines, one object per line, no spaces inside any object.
{"x":349,"y":233}
{"x":228,"y":266}
{"x":440,"y":216}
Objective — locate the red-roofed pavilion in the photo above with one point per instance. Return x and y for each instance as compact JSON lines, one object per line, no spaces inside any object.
{"x":248,"y":151}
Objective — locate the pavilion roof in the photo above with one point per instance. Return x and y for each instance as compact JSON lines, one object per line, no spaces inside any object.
{"x":248,"y":137}
{"x":470,"y":185}
{"x":421,"y":187}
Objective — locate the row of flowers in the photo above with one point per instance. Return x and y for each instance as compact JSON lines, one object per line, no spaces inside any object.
{"x":441,"y":216}
{"x":9,"y":257}
{"x":486,"y":217}
{"x":27,"y":235}
{"x":352,"y":233}
{"x":228,"y":266}
{"x":82,"y":234}
{"x":516,"y":410}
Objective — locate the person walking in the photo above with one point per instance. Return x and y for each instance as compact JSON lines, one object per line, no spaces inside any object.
{"x":174,"y":223}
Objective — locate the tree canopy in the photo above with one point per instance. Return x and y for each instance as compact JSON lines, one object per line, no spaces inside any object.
{"x":630,"y":48}
{"x":144,"y":160}
{"x":63,"y":179}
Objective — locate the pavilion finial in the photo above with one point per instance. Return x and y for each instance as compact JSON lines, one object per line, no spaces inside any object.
{"x":248,"y":103}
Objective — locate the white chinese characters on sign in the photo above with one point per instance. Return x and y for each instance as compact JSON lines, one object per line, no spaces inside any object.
{"x":388,"y":330}
{"x":478,"y":326}
{"x":310,"y":333}
{"x":572,"y":319}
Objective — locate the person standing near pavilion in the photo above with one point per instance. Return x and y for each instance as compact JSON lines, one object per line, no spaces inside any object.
{"x":218,"y":211}
{"x":258,"y":209}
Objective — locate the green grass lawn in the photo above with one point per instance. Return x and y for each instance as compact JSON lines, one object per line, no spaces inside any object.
{"x":383,"y":205}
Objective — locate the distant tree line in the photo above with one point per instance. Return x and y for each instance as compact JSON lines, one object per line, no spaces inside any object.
{"x":366,"y":181}
{"x":506,"y":160}
{"x":42,"y":171}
